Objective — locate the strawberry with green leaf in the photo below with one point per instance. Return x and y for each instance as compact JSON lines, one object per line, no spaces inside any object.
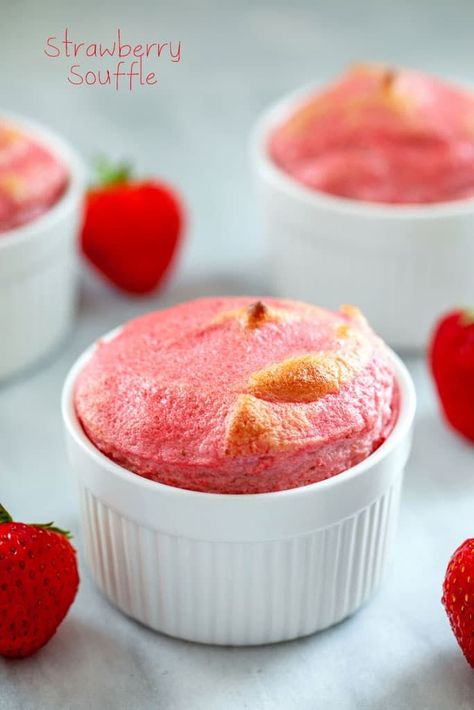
{"x":131,"y":229}
{"x":38,"y":583}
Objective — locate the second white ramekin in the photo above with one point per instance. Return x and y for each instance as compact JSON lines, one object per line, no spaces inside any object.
{"x":38,"y":267}
{"x":402,"y":265}
{"x":239,"y":569}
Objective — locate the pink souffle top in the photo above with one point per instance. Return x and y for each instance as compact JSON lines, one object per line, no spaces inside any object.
{"x":32,"y":179}
{"x":238,"y":395}
{"x":382,"y":135}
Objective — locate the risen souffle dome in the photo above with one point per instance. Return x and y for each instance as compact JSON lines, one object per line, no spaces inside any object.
{"x":382,"y":135}
{"x":237,"y":395}
{"x":32,"y":179}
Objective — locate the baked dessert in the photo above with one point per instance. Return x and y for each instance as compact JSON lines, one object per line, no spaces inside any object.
{"x":238,"y":395}
{"x":382,"y":135}
{"x":32,"y":179}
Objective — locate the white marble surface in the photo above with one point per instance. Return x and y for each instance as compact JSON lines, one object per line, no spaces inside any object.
{"x":398,"y":652}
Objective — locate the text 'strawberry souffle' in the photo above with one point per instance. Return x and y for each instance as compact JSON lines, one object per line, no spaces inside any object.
{"x":381,"y":135}
{"x":32,"y":178}
{"x":233,"y":395}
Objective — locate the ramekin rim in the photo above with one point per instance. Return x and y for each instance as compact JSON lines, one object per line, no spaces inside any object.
{"x":64,"y":150}
{"x":400,"y":430}
{"x":273,"y":115}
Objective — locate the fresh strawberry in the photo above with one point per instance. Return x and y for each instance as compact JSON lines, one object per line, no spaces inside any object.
{"x":452,"y":364}
{"x":131,"y":229}
{"x":458,"y":597}
{"x":38,"y":583}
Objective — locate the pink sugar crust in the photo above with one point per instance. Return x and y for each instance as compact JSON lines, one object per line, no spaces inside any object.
{"x":158,"y":398}
{"x":382,"y":135}
{"x":32,"y":179}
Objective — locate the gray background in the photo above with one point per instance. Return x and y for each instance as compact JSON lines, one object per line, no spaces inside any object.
{"x":192,"y":129}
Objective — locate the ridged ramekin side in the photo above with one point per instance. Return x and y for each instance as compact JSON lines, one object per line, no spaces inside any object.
{"x":240,"y":593}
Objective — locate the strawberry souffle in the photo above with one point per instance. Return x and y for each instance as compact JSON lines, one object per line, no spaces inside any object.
{"x":32,"y":178}
{"x":237,"y":395}
{"x":381,"y":135}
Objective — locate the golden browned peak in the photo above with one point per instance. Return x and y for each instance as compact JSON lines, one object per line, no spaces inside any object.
{"x":254,"y":427}
{"x":353,"y":313}
{"x":12,"y":184}
{"x":257,"y":315}
{"x":9,"y":135}
{"x":369,"y":69}
{"x":390,"y":94}
{"x":388,"y":79}
{"x":386,"y":73}
{"x":301,"y":379}
{"x":363,"y":68}
{"x":353,"y":107}
{"x":306,"y":378}
{"x":258,"y":422}
{"x":343,"y":331}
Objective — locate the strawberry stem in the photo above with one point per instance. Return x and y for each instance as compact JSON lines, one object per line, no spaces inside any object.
{"x":5,"y":516}
{"x":52,"y":528}
{"x":109,"y":174}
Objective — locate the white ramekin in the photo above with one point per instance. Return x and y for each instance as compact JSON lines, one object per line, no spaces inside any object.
{"x":402,"y":265}
{"x":239,"y":569}
{"x":37,"y":267}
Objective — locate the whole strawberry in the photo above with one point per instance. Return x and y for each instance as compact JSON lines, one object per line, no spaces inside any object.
{"x":452,"y":364}
{"x":38,"y":583}
{"x":131,"y":229}
{"x":458,"y":597}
